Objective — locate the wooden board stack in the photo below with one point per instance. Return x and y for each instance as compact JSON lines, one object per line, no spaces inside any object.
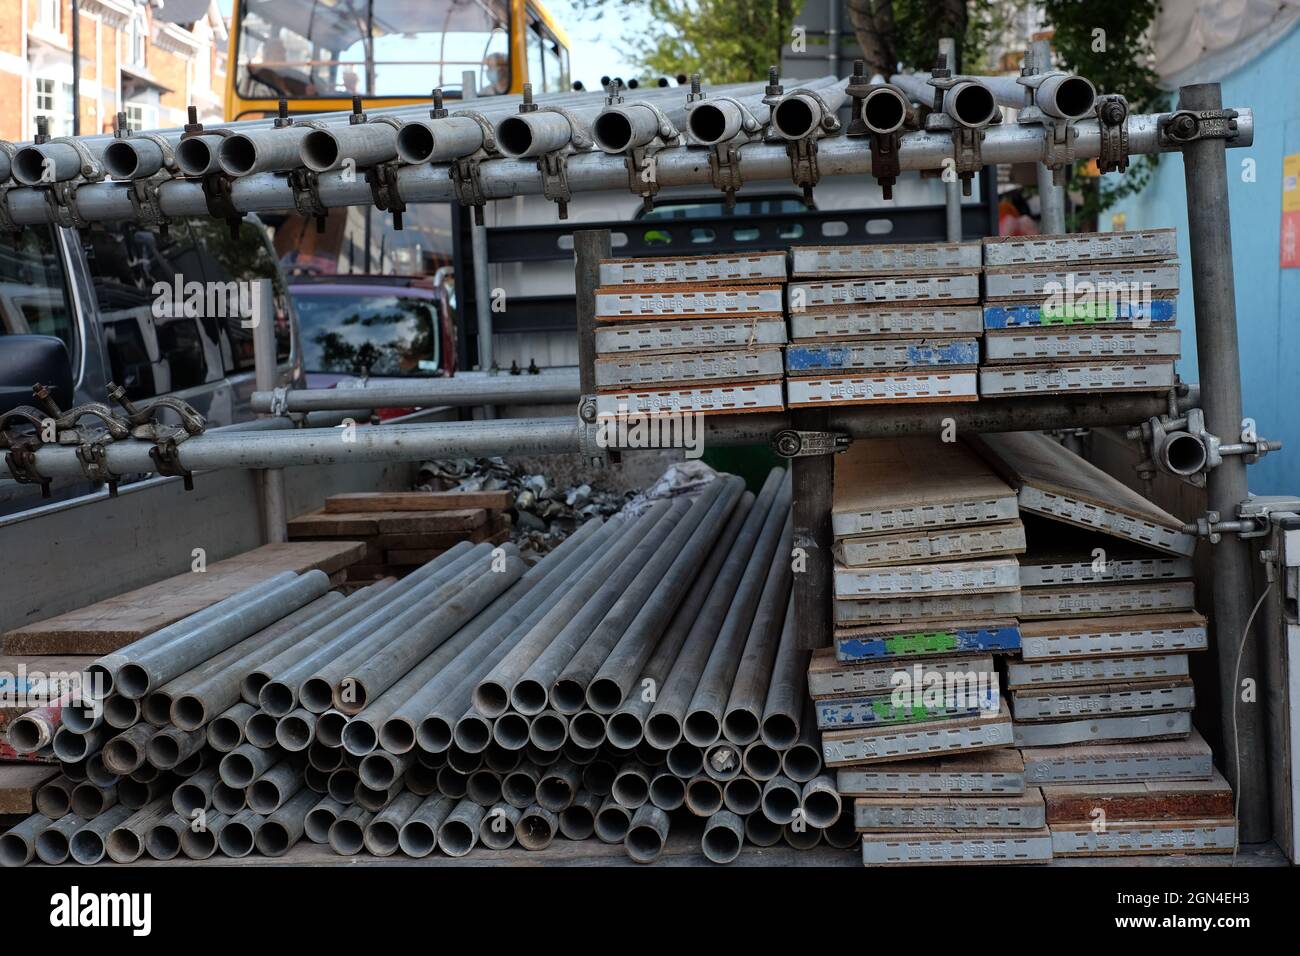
{"x":1100,"y":689}
{"x":690,"y":334}
{"x":926,"y":592}
{"x":1092,"y":312}
{"x":883,"y":324}
{"x":404,"y":529}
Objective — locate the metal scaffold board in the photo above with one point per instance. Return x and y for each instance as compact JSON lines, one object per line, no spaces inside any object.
{"x":1145,"y":800}
{"x":1140,"y":312}
{"x":1101,"y":700}
{"x":908,"y":258}
{"x":897,"y":387}
{"x":745,"y":333}
{"x":952,"y":290}
{"x":982,"y":773}
{"x":1087,"y":247}
{"x":1103,"y":729}
{"x":924,"y":639}
{"x":1187,"y":759}
{"x":941,"y":577}
{"x":998,"y":380}
{"x":1138,"y":635}
{"x":937,"y":848}
{"x":1135,"y":838}
{"x":880,"y":744}
{"x":1037,"y":570}
{"x":751,"y":397}
{"x":1092,"y":670}
{"x":891,"y":354}
{"x":1058,"y":484}
{"x":893,"y":610}
{"x":1108,"y":599}
{"x":652,"y":371}
{"x":849,"y":323}
{"x":759,"y":267}
{"x":649,"y":303}
{"x":932,"y":812}
{"x":901,"y":484}
{"x":1017,"y":282}
{"x":879,"y":710}
{"x":862,"y":551}
{"x":828,"y":677}
{"x":1047,"y":346}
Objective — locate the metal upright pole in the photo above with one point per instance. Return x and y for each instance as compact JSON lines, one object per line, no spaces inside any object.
{"x":271,"y":480}
{"x":1219,"y":362}
{"x":482,"y":301}
{"x":1051,"y":197}
{"x":589,"y":247}
{"x":952,"y":189}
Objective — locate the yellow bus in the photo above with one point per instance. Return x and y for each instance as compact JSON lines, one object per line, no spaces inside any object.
{"x":318,"y":54}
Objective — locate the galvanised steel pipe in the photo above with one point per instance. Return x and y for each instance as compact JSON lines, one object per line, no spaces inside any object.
{"x":663,"y":726}
{"x":327,"y":759}
{"x":126,"y":752}
{"x":503,"y":761}
{"x":46,"y":163}
{"x":239,"y":835}
{"x":803,"y":761}
{"x":588,"y":729}
{"x":612,"y":821}
{"x":799,"y":113}
{"x":137,"y":794}
{"x":549,"y":730}
{"x":18,"y":845}
{"x":519,"y":786}
{"x":558,"y":787}
{"x":760,"y":760}
{"x":801,"y":837}
{"x":459,"y":831}
{"x":214,"y":686}
{"x":536,"y":827}
{"x":54,"y":799}
{"x":268,"y":792}
{"x":375,"y":799}
{"x":121,"y":712}
{"x":201,"y":844}
{"x":162,"y":841}
{"x":88,"y":843}
{"x":609,"y":686}
{"x":452,"y":782}
{"x":380,"y":769}
{"x":843,"y":833}
{"x":647,"y":834}
{"x":195,"y":793}
{"x":361,"y":144}
{"x":246,"y":763}
{"x":144,"y":672}
{"x":787,"y":690}
{"x":742,"y":796}
{"x":296,"y":730}
{"x":820,"y":801}
{"x":667,"y":791}
{"x":968,"y":101}
{"x":724,"y":835}
{"x":194,"y":763}
{"x":1059,"y":95}
{"x":128,"y":158}
{"x":226,"y":730}
{"x":77,"y":715}
{"x":381,"y":837}
{"x":529,"y":693}
{"x":342,"y":785}
{"x":260,"y":728}
{"x":720,"y":119}
{"x":197,"y":156}
{"x":228,"y":800}
{"x":703,"y":723}
{"x":317,"y":822}
{"x":782,"y":798}
{"x":553,"y":387}
{"x":743,"y":716}
{"x":418,"y":836}
{"x":483,"y":786}
{"x":886,"y":109}
{"x":89,"y":800}
{"x":125,"y":841}
{"x":347,"y":834}
{"x":496,"y":830}
{"x":598,"y":776}
{"x":172,"y":746}
{"x":722,"y":761}
{"x":685,"y":760}
{"x":631,"y":786}
{"x":703,"y":795}
{"x":52,"y":843}
{"x":761,"y":831}
{"x":578,"y":820}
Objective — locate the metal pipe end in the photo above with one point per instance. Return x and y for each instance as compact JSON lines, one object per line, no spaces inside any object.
{"x":612,"y":131}
{"x":320,"y":150}
{"x":885,"y":109}
{"x":29,"y":166}
{"x":622,"y":729}
{"x":237,"y":155}
{"x":121,"y":160}
{"x":28,"y":735}
{"x":358,"y":737}
{"x":1066,"y":96}
{"x":514,"y":137}
{"x":194,"y":157}
{"x":971,"y":104}
{"x":397,"y":736}
{"x":711,"y":123}
{"x":187,"y":712}
{"x":415,"y":142}
{"x":796,"y":116}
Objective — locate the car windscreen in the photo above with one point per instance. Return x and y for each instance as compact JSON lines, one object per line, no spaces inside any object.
{"x":367,"y":334}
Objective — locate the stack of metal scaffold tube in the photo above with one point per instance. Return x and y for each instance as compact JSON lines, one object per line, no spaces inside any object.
{"x":647,"y":666}
{"x":560,"y":143}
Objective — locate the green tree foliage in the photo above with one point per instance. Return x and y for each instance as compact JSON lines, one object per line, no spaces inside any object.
{"x":725,"y":41}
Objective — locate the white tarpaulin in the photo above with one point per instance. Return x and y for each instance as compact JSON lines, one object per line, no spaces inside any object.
{"x":1201,"y":41}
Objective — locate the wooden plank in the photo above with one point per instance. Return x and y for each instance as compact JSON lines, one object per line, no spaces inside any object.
{"x":1148,"y":800}
{"x":413,"y":556}
{"x":318,"y":524}
{"x":109,"y":624}
{"x":356,"y":502}
{"x":19,"y":783}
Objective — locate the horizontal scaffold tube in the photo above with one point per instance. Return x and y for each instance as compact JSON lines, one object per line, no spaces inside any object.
{"x":552,"y":387}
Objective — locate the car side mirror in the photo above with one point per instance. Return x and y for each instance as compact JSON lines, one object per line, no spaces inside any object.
{"x":26,"y":360}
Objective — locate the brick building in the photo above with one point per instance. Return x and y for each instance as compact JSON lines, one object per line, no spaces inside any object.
{"x":131,"y":60}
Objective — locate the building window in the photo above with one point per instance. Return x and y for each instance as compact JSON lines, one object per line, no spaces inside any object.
{"x":141,"y":116}
{"x":137,"y":39}
{"x":54,"y":102}
{"x":49,"y":13}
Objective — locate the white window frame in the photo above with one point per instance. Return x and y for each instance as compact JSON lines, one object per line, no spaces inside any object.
{"x":49,"y":15}
{"x":136,"y":40}
{"x":58,"y":95}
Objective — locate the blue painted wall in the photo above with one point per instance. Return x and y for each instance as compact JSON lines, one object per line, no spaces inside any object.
{"x":1268,"y":297}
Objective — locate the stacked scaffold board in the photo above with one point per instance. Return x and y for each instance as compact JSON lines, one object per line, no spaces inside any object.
{"x":883,"y":324}
{"x":687,"y":335}
{"x":1092,"y":312}
{"x":1100,"y":690}
{"x":908,"y":699}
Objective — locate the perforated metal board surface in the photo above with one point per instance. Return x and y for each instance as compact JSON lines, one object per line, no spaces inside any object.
{"x":1000,"y":380}
{"x":1086,"y":514}
{"x":895,"y":353}
{"x":1097,"y":601}
{"x":1103,"y":729}
{"x":1131,"y":246}
{"x":929,"y":812}
{"x":826,"y":678}
{"x":884,"y":388}
{"x":1137,"y":635}
{"x":954,"y":290}
{"x":953,"y":607}
{"x":982,"y":773}
{"x":642,"y":304}
{"x":883,"y":259}
{"x":1079,"y":284}
{"x":1106,"y":571}
{"x":976,"y":847}
{"x":879,"y":744}
{"x":752,"y":397}
{"x":924,"y":639}
{"x":744,"y":333}
{"x":1093,"y":670}
{"x":834,"y":713}
{"x":759,"y":267}
{"x":935,"y":515}
{"x":941,"y":577}
{"x":1139,"y":312}
{"x":1093,"y":700}
{"x":1130,"y":762}
{"x":1049,"y":346}
{"x":1132,"y":838}
{"x":939,"y":545}
{"x":683,"y":368}
{"x":855,"y":323}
